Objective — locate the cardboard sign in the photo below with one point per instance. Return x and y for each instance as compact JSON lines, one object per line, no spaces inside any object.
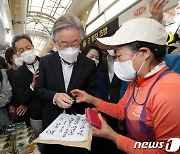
{"x":69,"y":130}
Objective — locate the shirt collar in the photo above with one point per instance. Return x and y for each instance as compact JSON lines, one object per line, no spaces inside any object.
{"x":154,"y":72}
{"x":34,"y":66}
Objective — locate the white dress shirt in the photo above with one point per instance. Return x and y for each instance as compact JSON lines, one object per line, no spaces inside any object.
{"x":110,"y":69}
{"x":67,"y":72}
{"x":33,"y":67}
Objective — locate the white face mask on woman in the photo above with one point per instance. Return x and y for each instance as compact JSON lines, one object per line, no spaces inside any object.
{"x":28,"y":56}
{"x":125,"y":70}
{"x":69,"y":54}
{"x":18,"y":61}
{"x":96,"y":61}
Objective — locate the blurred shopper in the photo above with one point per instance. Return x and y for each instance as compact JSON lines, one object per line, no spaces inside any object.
{"x":172,"y":58}
{"x":5,"y":97}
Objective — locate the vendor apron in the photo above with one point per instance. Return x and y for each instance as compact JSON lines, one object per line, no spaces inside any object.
{"x":137,"y":129}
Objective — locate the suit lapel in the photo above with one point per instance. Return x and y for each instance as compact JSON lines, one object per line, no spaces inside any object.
{"x":58,"y":72}
{"x":76,"y":72}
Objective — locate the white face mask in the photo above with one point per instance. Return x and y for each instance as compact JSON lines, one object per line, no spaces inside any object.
{"x":125,"y":70}
{"x":96,"y":61}
{"x":28,"y":56}
{"x":111,"y":52}
{"x":69,"y":54}
{"x":18,"y":61}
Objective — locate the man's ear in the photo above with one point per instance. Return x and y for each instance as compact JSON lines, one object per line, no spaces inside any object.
{"x":145,"y":52}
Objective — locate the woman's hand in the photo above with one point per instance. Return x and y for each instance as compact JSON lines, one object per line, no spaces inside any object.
{"x":82,"y":96}
{"x":105,"y":131}
{"x":156,"y":9}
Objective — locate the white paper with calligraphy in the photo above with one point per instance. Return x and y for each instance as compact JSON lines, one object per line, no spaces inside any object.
{"x":67,"y":128}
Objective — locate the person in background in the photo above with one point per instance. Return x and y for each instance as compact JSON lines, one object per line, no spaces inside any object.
{"x":172,"y":58}
{"x":96,"y":54}
{"x":25,"y":80}
{"x":12,"y":59}
{"x":5,"y":97}
{"x":62,"y":71}
{"x":151,"y":102}
{"x":115,"y":88}
{"x":3,"y":64}
{"x":113,"y":83}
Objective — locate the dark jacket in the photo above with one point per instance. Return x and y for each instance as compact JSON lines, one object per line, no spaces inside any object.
{"x":23,"y":80}
{"x":173,"y":62}
{"x":11,"y":77}
{"x":51,"y":81}
{"x":5,"y":96}
{"x":112,"y":88}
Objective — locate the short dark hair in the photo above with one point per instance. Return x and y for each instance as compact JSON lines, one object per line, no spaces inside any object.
{"x":86,"y":50}
{"x":9,"y":54}
{"x":3,"y":64}
{"x":19,"y":37}
{"x":159,"y":51}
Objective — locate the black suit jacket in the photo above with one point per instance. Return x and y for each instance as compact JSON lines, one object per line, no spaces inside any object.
{"x":51,"y":81}
{"x":22,"y":82}
{"x":11,"y":78}
{"x":113,"y":88}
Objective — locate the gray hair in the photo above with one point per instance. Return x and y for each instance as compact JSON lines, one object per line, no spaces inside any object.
{"x":67,"y":20}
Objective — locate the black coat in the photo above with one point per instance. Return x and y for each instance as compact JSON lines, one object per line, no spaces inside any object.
{"x":113,"y":88}
{"x":51,"y":81}
{"x":11,"y":78}
{"x":23,"y":80}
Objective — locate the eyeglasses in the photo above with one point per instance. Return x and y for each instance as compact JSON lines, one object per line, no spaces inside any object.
{"x":74,"y":44}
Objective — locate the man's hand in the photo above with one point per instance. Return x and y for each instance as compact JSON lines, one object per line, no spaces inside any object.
{"x":21,"y":110}
{"x":63,"y":100}
{"x":156,"y":9}
{"x":35,"y":75}
{"x":12,"y":112}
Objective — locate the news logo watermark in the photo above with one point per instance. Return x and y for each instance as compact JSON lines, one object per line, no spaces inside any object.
{"x":172,"y":145}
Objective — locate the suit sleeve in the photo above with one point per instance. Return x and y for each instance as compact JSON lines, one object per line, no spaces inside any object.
{"x":41,"y":85}
{"x":6,"y":93}
{"x":24,"y":94}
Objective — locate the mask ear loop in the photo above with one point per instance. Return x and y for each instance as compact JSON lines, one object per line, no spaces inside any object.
{"x":134,"y":87}
{"x":140,"y":67}
{"x":135,"y":83}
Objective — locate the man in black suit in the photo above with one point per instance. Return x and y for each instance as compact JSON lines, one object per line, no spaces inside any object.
{"x":63,"y":71}
{"x":25,"y":79}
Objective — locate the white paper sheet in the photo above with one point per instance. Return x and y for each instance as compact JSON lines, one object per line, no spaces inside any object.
{"x":67,"y":128}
